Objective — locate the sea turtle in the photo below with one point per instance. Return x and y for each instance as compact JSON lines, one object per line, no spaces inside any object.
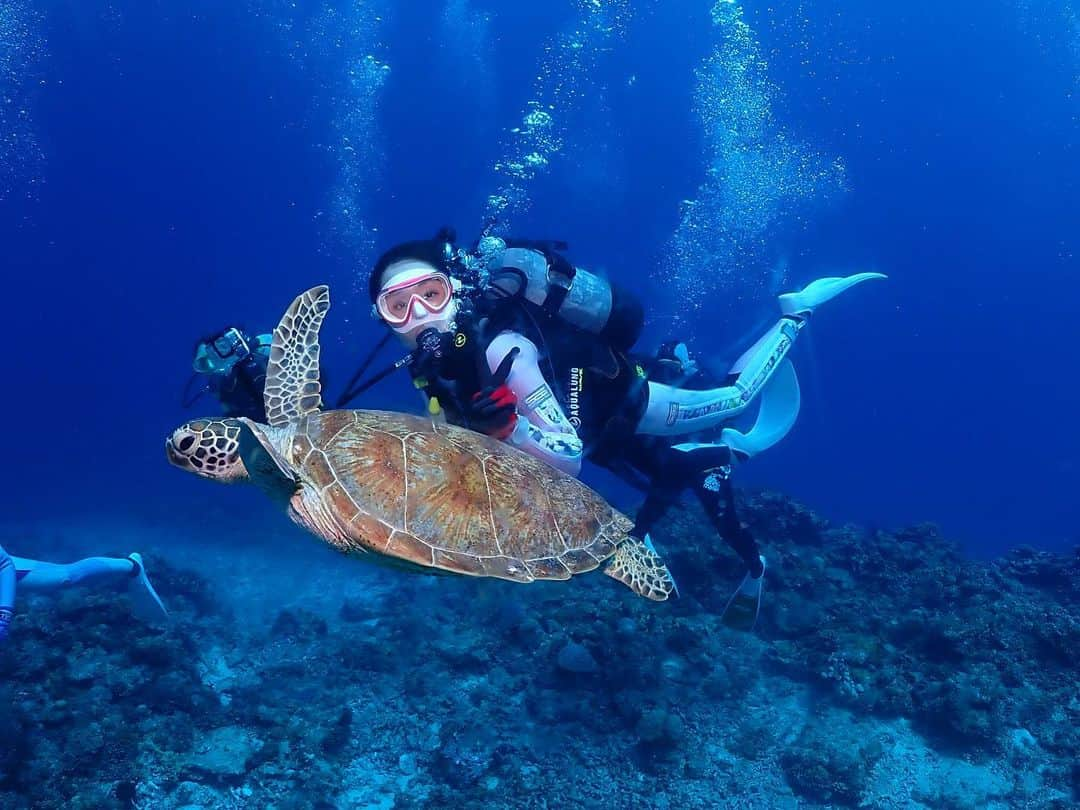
{"x":418,"y":492}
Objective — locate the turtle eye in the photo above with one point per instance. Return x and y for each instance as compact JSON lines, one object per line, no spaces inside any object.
{"x":185,"y":443}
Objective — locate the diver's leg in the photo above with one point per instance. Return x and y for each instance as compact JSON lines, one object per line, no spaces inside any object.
{"x":675,"y":411}
{"x":678,"y":411}
{"x":8,"y":577}
{"x":643,"y":463}
{"x":658,"y":501}
{"x":717,"y":496}
{"x":42,"y":576}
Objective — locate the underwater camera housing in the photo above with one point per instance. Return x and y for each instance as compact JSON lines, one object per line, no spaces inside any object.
{"x":231,"y":343}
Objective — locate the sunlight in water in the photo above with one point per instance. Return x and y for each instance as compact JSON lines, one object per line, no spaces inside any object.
{"x":757,"y":175}
{"x":562,"y":82}
{"x":1056,"y":27}
{"x":20,"y":49}
{"x":339,"y":42}
{"x":466,"y":43}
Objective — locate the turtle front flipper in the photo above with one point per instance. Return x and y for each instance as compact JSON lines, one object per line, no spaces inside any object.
{"x":292,"y":375}
{"x":259,"y":448}
{"x":640,"y":569}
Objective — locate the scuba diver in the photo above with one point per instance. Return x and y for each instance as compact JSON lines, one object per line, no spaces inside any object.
{"x":231,"y":365}
{"x":537,"y":353}
{"x":34,"y":576}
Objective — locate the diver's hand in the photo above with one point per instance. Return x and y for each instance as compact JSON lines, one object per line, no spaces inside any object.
{"x":493,"y":409}
{"x":5,"y":622}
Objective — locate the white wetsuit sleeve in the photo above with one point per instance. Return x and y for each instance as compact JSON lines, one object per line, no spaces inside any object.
{"x":543,"y":429}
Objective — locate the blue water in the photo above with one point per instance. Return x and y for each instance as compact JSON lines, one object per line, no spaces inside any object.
{"x":169,"y":168}
{"x":189,"y":159}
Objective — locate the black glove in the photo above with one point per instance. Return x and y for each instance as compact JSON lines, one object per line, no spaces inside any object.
{"x":493,"y":409}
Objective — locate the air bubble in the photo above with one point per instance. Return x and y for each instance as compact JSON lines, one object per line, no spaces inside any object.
{"x":758,"y":177}
{"x":339,"y":41}
{"x":567,"y":66}
{"x":21,"y":50}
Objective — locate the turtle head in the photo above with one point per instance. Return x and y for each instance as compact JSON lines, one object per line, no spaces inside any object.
{"x":210,"y":448}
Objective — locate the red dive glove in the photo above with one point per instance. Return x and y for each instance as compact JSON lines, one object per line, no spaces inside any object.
{"x":493,"y":409}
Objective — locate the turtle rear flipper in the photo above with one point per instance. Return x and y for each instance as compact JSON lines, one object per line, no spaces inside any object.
{"x":292,"y":374}
{"x":640,"y":569}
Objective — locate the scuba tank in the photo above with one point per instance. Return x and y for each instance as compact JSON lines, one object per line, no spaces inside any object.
{"x":535,"y":272}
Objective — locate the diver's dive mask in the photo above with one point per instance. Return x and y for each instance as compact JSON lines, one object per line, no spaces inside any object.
{"x":220,"y":355}
{"x":400,"y":302}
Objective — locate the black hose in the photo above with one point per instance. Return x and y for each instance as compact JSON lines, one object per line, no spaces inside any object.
{"x":187,"y":399}
{"x":349,"y":395}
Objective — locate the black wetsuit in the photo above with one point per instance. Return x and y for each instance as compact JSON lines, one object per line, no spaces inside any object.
{"x":603,"y":392}
{"x":241,"y":390}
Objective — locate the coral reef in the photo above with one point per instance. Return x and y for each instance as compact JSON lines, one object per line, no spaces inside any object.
{"x":888,"y":670}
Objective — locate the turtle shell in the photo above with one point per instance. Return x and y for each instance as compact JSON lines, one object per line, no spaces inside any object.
{"x":443,"y":497}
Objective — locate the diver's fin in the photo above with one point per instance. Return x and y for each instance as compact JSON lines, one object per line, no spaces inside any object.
{"x":638,"y":567}
{"x":776,"y":416}
{"x":292,"y":375}
{"x":744,"y":605}
{"x":816,"y":293}
{"x":148,"y":605}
